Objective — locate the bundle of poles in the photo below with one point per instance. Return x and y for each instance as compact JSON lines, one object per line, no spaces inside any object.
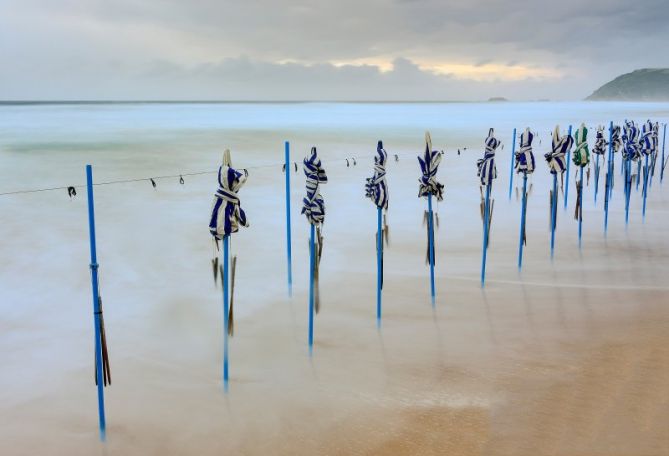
{"x":640,"y":153}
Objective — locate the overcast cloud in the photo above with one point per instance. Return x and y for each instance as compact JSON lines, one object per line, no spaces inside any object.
{"x":324,"y":50}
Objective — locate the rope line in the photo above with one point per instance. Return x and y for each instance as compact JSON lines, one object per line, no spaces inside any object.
{"x":177,"y":176}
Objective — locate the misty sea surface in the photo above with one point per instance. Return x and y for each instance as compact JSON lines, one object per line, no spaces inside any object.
{"x":162,"y":308}
{"x":158,"y":237}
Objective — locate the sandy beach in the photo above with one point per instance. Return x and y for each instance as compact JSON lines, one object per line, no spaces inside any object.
{"x":568,"y":357}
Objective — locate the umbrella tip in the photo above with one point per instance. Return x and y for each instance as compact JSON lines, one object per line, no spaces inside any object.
{"x":227,"y":161}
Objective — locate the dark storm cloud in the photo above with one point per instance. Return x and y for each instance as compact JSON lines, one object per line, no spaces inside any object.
{"x":103,"y":45}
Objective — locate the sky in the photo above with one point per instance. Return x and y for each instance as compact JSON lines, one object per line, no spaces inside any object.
{"x":344,"y":50}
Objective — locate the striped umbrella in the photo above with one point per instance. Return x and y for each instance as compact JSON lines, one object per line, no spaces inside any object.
{"x":525,"y":165}
{"x":631,"y":153}
{"x":616,"y":146}
{"x":648,"y":146}
{"x":599,"y":149}
{"x":313,"y":207}
{"x":557,"y":164}
{"x":656,"y":149}
{"x":226,"y":218}
{"x":581,"y":159}
{"x":376,"y":189}
{"x":631,"y":150}
{"x":487,"y":173}
{"x":428,"y":187}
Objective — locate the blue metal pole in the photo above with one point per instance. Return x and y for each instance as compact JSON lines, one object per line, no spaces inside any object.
{"x":522,"y":223}
{"x":645,"y":188}
{"x":379,"y":256}
{"x":664,"y":137}
{"x":580,"y":213}
{"x":225,"y":312}
{"x":312,"y":264}
{"x":609,"y":179}
{"x":628,"y":188}
{"x":96,"y":304}
{"x":553,"y":214}
{"x":513,"y":157}
{"x":485,"y":233}
{"x":566,"y":190}
{"x":596,"y":177}
{"x":431,"y":246}
{"x":289,"y":247}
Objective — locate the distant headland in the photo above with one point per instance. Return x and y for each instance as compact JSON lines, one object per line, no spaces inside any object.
{"x":647,"y":84}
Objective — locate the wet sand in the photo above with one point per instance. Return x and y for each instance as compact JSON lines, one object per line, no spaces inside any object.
{"x":515,"y":369}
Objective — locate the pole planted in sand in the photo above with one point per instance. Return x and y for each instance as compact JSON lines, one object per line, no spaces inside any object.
{"x":645,"y":188}
{"x":513,"y":156}
{"x":523,"y":214}
{"x":289,"y":255}
{"x":486,"y":222}
{"x":566,"y":190}
{"x":554,"y":201}
{"x":609,"y":176}
{"x":379,"y":260}
{"x":312,"y":265}
{"x":226,"y":321}
{"x":96,"y":304}
{"x":664,"y":137}
{"x":430,"y":222}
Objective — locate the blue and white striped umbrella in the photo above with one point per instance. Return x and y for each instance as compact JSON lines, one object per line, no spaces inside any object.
{"x":631,"y":150}
{"x":646,"y":140}
{"x":557,"y":163}
{"x":313,"y":205}
{"x":376,"y":187}
{"x":600,"y":142}
{"x":226,"y":214}
{"x":525,"y":157}
{"x":429,"y":164}
{"x":487,"y":171}
{"x":616,"y":141}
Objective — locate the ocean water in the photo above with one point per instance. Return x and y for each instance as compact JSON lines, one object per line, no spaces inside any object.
{"x":154,"y":248}
{"x":155,"y":242}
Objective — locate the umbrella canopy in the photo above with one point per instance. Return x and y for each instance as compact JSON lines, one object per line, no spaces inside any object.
{"x":616,"y":141}
{"x":227,"y":215}
{"x":487,"y":171}
{"x":581,"y":153}
{"x":647,"y":140}
{"x":429,"y":164}
{"x":525,"y":157}
{"x":376,"y":187}
{"x":556,"y":160}
{"x":631,"y":148}
{"x":313,"y":205}
{"x":600,"y":142}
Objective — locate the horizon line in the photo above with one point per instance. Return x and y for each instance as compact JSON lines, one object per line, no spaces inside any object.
{"x":166,"y":101}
